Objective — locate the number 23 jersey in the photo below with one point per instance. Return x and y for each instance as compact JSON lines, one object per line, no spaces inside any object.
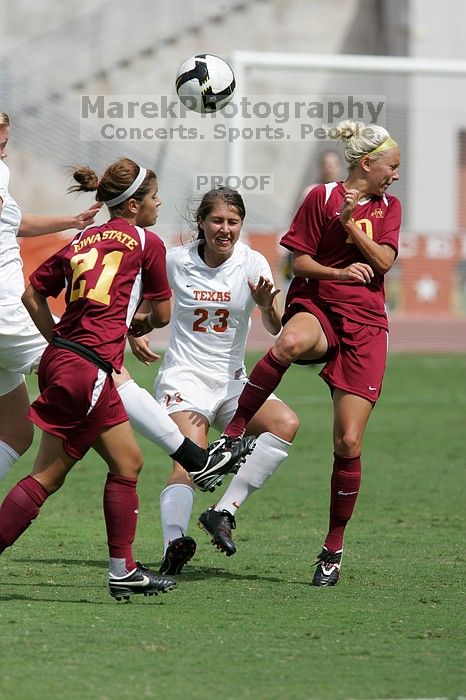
{"x":212,"y":313}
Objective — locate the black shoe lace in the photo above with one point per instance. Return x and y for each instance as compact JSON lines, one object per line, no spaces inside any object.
{"x":231,"y":518}
{"x":231,"y":521}
{"x":141,"y":566}
{"x":328,"y":557}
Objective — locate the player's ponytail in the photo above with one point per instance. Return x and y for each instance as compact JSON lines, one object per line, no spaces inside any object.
{"x":86,"y":178}
{"x":118,"y":179}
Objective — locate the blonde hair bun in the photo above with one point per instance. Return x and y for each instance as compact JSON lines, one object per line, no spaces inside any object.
{"x":360,"y":139}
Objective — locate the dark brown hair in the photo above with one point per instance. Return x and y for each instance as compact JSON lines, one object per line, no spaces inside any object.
{"x":115,"y":180}
{"x":224,"y":195}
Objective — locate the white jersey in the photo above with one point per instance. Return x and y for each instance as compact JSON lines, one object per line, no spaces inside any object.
{"x":11,"y":265}
{"x":212,"y":313}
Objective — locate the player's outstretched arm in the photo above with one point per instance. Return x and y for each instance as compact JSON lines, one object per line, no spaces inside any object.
{"x":38,"y":225}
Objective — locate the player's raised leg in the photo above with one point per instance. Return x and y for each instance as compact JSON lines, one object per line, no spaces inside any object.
{"x":205,"y":467}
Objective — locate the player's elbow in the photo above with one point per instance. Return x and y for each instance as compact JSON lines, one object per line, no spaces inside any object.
{"x":161,"y":320}
{"x":383,"y":266}
{"x":164,"y":321}
{"x":385,"y":260}
{"x":300,"y":268}
{"x":28,"y":296}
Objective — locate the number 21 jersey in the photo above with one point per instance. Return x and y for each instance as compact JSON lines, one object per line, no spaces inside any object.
{"x":106,"y":270}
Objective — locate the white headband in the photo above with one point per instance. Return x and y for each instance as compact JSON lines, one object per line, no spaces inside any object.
{"x":131,"y":189}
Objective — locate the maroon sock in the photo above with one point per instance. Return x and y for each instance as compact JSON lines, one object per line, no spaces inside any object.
{"x":264,"y":378}
{"x":346,"y":478}
{"x":20,"y":507}
{"x":121,"y":516}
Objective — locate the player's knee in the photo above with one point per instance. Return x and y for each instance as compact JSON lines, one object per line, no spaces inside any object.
{"x":348,"y":443}
{"x":286,"y":424}
{"x":288,"y":348}
{"x":138,"y":462}
{"x":293,"y":425}
{"x":130,"y":464}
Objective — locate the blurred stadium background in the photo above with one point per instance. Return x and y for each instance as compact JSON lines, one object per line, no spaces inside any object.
{"x":54,"y":52}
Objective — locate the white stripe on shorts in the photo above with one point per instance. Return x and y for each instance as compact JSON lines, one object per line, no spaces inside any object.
{"x":98,"y":388}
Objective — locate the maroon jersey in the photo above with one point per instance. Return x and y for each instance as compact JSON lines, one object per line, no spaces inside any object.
{"x":106,"y":270}
{"x":316,"y":229}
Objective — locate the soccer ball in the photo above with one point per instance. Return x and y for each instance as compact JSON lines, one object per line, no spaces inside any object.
{"x":205,"y":83}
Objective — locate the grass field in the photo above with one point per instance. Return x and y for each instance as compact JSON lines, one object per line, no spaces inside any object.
{"x":251,"y":626}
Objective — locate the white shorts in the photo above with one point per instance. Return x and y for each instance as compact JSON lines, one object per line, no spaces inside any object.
{"x":183,"y":389}
{"x":21,"y":347}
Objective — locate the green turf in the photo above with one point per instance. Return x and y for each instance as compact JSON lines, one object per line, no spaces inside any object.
{"x":251,"y":626}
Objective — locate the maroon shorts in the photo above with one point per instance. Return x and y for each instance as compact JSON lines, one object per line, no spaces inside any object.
{"x":358,"y":366}
{"x":357,"y":353}
{"x":77,"y":401}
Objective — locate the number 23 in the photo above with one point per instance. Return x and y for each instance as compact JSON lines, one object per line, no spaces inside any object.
{"x":203,"y":315}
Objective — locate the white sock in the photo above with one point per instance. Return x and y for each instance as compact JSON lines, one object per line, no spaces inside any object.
{"x":176,"y":504}
{"x":148,"y":418}
{"x":268,"y":454}
{"x":8,"y":456}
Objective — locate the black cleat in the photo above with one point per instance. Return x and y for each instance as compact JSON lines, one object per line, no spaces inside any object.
{"x":219,"y":524}
{"x":177,"y":554}
{"x":328,"y":568}
{"x":224,"y":456}
{"x":141,"y":580}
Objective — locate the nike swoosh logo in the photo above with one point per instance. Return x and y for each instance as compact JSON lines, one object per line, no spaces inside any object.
{"x":226,"y":458}
{"x":327,"y":572}
{"x":144,"y":582}
{"x":347,"y":493}
{"x":372,"y":388}
{"x":256,"y":386}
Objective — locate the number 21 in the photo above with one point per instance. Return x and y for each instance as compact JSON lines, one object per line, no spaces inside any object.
{"x":82,"y":263}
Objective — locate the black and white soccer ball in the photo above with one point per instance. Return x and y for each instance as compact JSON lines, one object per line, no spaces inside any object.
{"x":205,"y":83}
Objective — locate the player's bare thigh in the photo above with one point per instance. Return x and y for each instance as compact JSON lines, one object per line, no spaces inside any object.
{"x":302,"y":338}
